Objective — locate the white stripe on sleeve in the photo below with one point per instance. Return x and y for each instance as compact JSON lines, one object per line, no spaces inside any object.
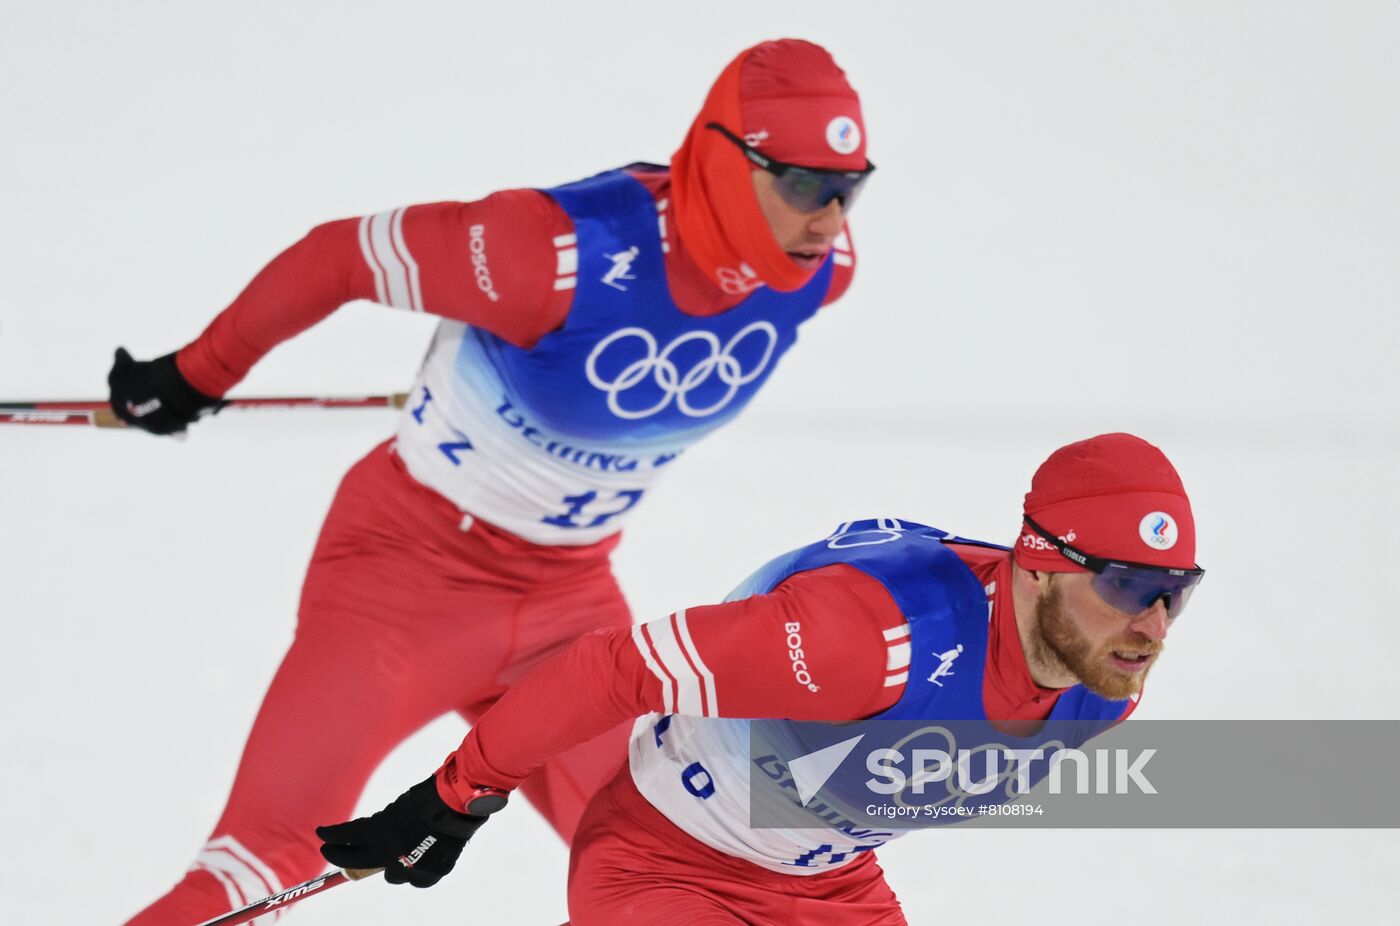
{"x":373,"y":262}
{"x":566,"y":261}
{"x":640,"y":641}
{"x":689,"y":692}
{"x":415,"y":290}
{"x":707,"y":678}
{"x":396,"y":273}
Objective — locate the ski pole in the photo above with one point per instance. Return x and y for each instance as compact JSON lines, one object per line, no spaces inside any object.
{"x":97,"y":413}
{"x":291,"y":895}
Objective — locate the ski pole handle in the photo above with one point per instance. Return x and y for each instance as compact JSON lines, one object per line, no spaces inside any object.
{"x":291,"y":895}
{"x":359,"y":874}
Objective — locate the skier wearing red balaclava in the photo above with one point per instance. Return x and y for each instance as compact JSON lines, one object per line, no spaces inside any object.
{"x":788,"y":100}
{"x":590,"y":333}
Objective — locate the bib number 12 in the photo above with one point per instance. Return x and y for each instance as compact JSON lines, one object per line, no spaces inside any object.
{"x":588,"y":510}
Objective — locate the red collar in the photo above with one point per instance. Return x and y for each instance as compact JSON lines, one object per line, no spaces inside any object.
{"x":1008,"y":691}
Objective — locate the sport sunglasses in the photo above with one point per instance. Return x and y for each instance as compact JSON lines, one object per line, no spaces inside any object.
{"x":806,"y":189}
{"x":1129,"y":587}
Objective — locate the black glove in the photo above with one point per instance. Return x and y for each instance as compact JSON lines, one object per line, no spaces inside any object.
{"x":416,"y":839}
{"x":153,"y":395}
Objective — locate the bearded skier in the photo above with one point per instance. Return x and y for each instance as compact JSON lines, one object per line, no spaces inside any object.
{"x":858,"y":626}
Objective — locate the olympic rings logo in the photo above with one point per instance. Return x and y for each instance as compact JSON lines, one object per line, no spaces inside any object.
{"x":659,"y":366}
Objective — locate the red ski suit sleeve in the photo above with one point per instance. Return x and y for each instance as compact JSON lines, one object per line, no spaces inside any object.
{"x":814,"y":648}
{"x":490,"y":263}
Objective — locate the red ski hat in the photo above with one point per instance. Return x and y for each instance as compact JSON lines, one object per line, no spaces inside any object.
{"x":797,"y":106}
{"x":790,"y":96}
{"x":1115,"y":496}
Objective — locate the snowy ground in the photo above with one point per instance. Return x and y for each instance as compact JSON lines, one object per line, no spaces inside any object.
{"x":1180,"y":221}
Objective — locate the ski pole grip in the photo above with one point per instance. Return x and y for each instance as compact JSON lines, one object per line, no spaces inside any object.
{"x":359,"y":874}
{"x":106,"y":418}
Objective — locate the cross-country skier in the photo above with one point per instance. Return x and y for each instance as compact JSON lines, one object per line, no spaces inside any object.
{"x":861,"y":624}
{"x":591,"y":332}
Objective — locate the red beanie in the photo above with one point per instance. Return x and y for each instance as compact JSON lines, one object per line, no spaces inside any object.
{"x":798,"y":107}
{"x":1114,"y":496}
{"x":791,"y":99}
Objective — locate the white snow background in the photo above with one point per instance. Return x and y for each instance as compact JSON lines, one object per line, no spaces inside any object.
{"x":1181,"y":220}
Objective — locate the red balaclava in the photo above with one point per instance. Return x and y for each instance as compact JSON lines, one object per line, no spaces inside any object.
{"x":790,"y":99}
{"x":1114,"y":496}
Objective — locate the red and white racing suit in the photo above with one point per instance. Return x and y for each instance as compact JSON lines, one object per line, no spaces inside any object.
{"x":635,"y":863}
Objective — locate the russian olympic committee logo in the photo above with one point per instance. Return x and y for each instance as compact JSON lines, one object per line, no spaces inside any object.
{"x":1158,"y":530}
{"x":720,"y":362}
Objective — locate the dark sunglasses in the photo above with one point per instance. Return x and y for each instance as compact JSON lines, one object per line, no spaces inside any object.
{"x":1129,"y":587}
{"x":806,"y":189}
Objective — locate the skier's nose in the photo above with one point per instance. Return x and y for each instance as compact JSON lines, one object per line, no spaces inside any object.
{"x":827,"y":222}
{"x":1153,"y":623}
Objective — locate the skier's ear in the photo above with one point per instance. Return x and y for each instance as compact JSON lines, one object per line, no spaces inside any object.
{"x":1030,"y":583}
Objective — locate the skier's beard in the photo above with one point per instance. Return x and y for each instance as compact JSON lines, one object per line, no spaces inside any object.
{"x":1059,"y":641}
